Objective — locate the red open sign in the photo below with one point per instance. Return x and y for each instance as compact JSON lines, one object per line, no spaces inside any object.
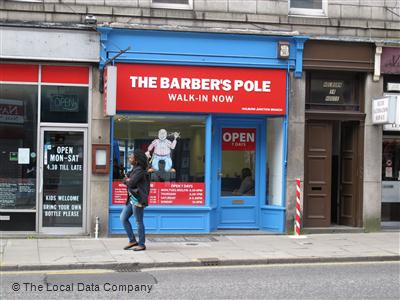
{"x":238,"y":139}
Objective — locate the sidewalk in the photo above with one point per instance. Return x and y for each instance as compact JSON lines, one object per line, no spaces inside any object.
{"x":75,"y":253}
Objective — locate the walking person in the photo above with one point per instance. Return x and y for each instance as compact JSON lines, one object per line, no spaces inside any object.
{"x":138,"y":184}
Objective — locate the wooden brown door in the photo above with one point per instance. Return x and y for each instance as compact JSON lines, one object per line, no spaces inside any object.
{"x":317,"y":178}
{"x":349,"y":172}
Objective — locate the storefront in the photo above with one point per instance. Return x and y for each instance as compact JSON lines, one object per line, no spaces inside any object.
{"x":44,"y":127}
{"x":336,"y":178}
{"x":210,"y":110}
{"x":40,"y":144}
{"x":390,"y":70}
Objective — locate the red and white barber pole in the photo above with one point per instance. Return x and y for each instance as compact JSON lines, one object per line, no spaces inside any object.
{"x":297,"y":221}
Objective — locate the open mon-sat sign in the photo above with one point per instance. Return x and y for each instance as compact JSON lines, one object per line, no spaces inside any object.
{"x":167,"y":88}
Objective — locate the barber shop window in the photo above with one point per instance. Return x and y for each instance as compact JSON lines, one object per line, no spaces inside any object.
{"x":172,"y":4}
{"x":275,"y":156}
{"x":64,"y":104}
{"x":308,"y":7}
{"x":175,"y":149}
{"x":333,"y":91}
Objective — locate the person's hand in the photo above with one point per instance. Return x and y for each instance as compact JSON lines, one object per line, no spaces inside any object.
{"x":148,"y":154}
{"x":176,"y":135}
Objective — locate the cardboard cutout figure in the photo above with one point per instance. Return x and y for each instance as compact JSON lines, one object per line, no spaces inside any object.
{"x":162,"y":150}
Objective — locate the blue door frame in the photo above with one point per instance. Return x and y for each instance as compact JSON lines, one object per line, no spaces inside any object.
{"x":239,"y":211}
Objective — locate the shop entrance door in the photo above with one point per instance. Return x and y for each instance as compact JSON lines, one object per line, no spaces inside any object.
{"x":236,"y":170}
{"x":62,"y":188}
{"x":317,"y":179}
{"x":331,"y":174}
{"x":349,"y":174}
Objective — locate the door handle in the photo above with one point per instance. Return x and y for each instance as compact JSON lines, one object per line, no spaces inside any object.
{"x":220,"y":174}
{"x":40,"y":182}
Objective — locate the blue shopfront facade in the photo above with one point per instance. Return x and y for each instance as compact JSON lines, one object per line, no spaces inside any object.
{"x":226,"y":168}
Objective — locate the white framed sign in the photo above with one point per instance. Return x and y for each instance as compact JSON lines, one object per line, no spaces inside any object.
{"x":384,"y":110}
{"x":395,"y":126}
{"x":110,"y":90}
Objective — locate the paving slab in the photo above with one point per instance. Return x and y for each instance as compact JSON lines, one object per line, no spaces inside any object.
{"x":273,"y":254}
{"x":61,"y":256}
{"x":21,"y":255}
{"x":167,"y":256}
{"x":23,"y":243}
{"x":54,"y":243}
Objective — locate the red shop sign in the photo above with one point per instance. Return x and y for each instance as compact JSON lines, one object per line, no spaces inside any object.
{"x":119,"y":193}
{"x":176,"y":193}
{"x":238,"y":139}
{"x":165,"y":193}
{"x":167,"y":88}
{"x":19,"y":72}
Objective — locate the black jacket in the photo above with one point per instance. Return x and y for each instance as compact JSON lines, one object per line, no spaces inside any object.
{"x":139,"y":185}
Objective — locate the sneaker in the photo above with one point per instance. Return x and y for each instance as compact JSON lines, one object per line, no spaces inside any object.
{"x":139,"y":248}
{"x":130,"y":245}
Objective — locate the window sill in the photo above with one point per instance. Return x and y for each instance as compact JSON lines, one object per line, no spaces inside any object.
{"x":171,"y":6}
{"x":319,"y":16}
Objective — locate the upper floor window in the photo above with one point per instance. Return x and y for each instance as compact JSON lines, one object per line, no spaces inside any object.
{"x":173,"y":4}
{"x":308,"y":7}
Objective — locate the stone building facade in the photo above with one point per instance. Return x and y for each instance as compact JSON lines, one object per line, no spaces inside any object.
{"x":341,"y":42}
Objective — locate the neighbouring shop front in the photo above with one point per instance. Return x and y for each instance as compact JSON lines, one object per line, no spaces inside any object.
{"x":210,"y":111}
{"x":43,"y":153}
{"x":337,"y":77}
{"x":390,"y":70}
{"x":44,"y":123}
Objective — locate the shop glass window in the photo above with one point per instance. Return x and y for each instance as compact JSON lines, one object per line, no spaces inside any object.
{"x":64,"y":104}
{"x":274,"y":188}
{"x":238,"y":166}
{"x":173,"y":4}
{"x":391,"y":83}
{"x":308,"y":7}
{"x":391,"y":159}
{"x":176,"y":151}
{"x":330,"y":91}
{"x":390,"y":209}
{"x":18,"y":139}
